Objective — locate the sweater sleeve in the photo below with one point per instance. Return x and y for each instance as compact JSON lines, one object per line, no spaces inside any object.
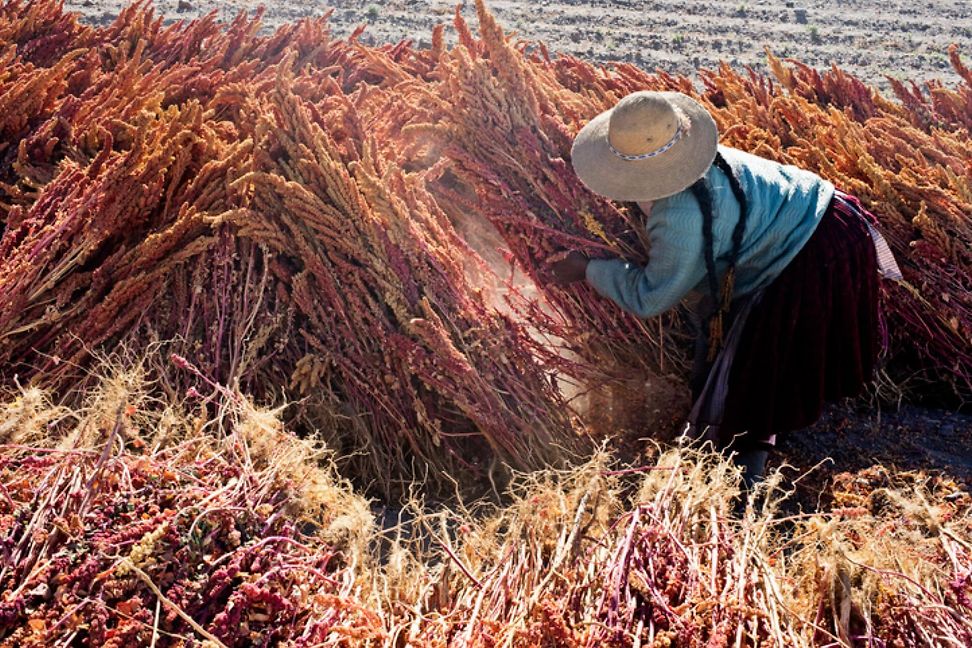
{"x":674,"y":268}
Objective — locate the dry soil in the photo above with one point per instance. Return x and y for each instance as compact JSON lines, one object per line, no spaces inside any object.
{"x":898,"y":38}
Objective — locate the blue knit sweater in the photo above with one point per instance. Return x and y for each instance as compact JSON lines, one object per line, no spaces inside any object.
{"x":784,"y":206}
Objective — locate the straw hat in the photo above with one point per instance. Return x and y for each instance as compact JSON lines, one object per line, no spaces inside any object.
{"x":649,"y":146}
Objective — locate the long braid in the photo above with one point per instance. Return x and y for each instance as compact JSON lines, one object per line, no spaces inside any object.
{"x":703,"y":195}
{"x":721,"y":299}
{"x":737,"y":191}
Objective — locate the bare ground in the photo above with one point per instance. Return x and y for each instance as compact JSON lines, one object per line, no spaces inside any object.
{"x":897,"y":38}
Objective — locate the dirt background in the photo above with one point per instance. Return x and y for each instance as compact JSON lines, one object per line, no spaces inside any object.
{"x":899,"y":38}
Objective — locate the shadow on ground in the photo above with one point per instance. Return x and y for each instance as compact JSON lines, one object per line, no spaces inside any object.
{"x":849,"y":439}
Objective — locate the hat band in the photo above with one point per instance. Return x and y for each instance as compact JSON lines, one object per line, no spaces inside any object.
{"x":650,"y":154}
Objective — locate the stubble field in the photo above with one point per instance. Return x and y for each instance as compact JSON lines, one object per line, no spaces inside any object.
{"x":872,"y":40}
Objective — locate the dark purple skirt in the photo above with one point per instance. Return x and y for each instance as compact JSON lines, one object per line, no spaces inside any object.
{"x":814,"y":335}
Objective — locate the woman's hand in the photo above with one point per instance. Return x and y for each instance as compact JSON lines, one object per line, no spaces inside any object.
{"x":571,"y":268}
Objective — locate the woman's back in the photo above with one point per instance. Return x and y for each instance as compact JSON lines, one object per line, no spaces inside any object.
{"x":784,"y":207}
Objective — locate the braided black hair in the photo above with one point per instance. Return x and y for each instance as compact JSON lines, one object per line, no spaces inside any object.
{"x":737,"y":191}
{"x":703,"y":194}
{"x":720,"y":299}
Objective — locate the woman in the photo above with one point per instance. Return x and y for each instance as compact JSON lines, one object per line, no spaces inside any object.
{"x":786,"y":266}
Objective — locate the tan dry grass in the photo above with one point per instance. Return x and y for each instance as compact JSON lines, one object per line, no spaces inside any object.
{"x":595,"y":555}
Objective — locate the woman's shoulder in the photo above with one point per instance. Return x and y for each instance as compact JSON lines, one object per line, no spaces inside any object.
{"x":675,"y":204}
{"x":758,"y":173}
{"x":675,"y":215}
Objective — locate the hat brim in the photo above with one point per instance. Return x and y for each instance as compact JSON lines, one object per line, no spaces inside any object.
{"x":605,"y":173}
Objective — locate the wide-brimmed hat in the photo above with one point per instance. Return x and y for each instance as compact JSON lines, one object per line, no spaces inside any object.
{"x":649,"y":146}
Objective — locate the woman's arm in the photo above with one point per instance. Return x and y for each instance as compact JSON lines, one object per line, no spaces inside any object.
{"x":675,"y":267}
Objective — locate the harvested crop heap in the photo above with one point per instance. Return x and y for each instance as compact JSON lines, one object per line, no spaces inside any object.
{"x":362,"y":232}
{"x":125,"y":525}
{"x":134,"y":521}
{"x":316,"y":220}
